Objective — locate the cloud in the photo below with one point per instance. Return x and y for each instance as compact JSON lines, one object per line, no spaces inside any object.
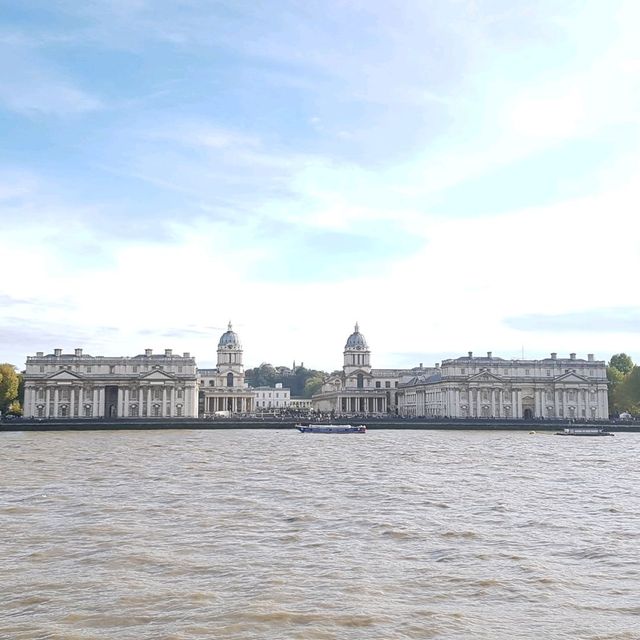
{"x":31,"y":86}
{"x":608,"y":320}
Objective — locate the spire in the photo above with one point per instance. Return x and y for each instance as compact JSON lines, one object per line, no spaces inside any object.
{"x":357,"y":328}
{"x":229,"y":327}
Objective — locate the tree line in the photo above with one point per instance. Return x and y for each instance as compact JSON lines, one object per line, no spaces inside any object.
{"x":302,"y":382}
{"x":11,"y":390}
{"x":624,"y":385}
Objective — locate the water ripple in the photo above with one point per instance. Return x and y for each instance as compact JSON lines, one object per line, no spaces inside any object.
{"x":260,"y":535}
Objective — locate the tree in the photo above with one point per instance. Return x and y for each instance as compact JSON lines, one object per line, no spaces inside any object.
{"x":627,"y":393}
{"x":9,"y":385}
{"x":312,"y":384}
{"x":615,"y":378}
{"x":622,"y":362}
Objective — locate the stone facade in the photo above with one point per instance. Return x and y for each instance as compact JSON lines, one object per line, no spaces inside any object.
{"x":490,"y":387}
{"x":65,"y":385}
{"x":358,"y":388}
{"x":272,"y":398}
{"x":223,"y":389}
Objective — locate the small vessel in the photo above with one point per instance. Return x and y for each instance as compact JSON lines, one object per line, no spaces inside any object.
{"x":331,"y":428}
{"x":584,"y":431}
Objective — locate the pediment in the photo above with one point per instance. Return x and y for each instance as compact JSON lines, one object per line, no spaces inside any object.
{"x":364,"y":372}
{"x":572,"y":376}
{"x":156,"y":374}
{"x":485,"y":376}
{"x":64,"y":375}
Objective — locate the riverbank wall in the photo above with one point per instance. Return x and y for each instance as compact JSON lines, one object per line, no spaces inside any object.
{"x":230,"y":423}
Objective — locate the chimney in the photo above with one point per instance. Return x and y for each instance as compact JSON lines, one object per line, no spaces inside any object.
{"x":590,"y":357}
{"x":148,"y":352}
{"x":186,"y":354}
{"x":488,"y":354}
{"x":421,"y":365}
{"x":57,"y":352}
{"x":437,"y":365}
{"x":168,"y":352}
{"x":554,"y":356}
{"x":39,"y":354}
{"x":572,"y":356}
{"x":471,"y":354}
{"x":78,"y":352}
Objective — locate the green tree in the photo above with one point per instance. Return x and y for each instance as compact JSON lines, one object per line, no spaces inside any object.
{"x":9,"y":385}
{"x":312,"y":384}
{"x":262,"y":376}
{"x":615,"y":378}
{"x":622,"y":362}
{"x":627,"y":393}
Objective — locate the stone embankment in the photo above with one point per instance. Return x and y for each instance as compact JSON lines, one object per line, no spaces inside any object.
{"x":288,"y":423}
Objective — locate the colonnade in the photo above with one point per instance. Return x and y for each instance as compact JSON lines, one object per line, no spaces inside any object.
{"x":495,"y":402}
{"x":84,"y":401}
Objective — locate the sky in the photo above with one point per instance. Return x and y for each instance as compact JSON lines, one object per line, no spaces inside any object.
{"x":453,"y":175}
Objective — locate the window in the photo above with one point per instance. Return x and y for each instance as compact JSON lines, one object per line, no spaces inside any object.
{"x":112,"y":368}
{"x":135,"y":368}
{"x":179,"y":394}
{"x":360,"y":381}
{"x":212,"y":383}
{"x":377,"y":384}
{"x":179,"y":410}
{"x":41,"y":369}
{"x":526,"y":372}
{"x":396,"y":384}
{"x":463,"y":372}
{"x":229,"y":379}
{"x":88,"y":369}
{"x":180,"y":369}
{"x":387,"y":384}
{"x":548,"y":372}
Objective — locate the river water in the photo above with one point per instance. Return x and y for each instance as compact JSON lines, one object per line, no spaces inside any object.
{"x":240,"y":534}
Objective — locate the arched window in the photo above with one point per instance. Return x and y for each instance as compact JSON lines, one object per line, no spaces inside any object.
{"x":229,"y":379}
{"x":360,"y":381}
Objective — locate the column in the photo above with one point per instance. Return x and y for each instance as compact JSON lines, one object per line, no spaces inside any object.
{"x":493,"y":402}
{"x":125,"y":403}
{"x":72,"y":402}
{"x":80,"y":401}
{"x":163,"y":407}
{"x":514,"y":403}
{"x":603,"y":409}
{"x":56,"y":401}
{"x":120,"y":404}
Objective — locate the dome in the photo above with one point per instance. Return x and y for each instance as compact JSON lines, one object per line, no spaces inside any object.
{"x":229,"y":339}
{"x":356,"y":340}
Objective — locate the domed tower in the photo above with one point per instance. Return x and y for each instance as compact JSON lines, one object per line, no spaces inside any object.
{"x":356,"y":353}
{"x":230,"y":358}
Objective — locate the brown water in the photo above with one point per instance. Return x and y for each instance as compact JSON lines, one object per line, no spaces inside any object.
{"x":276,"y":534}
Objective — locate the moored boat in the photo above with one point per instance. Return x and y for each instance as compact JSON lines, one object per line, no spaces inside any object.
{"x":584,"y":431}
{"x":331,"y":428}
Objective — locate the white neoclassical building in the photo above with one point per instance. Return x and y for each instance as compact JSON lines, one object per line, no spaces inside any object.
{"x":491,"y":387}
{"x":223,"y":389}
{"x":359,"y":388}
{"x":272,"y":398}
{"x":77,"y":385}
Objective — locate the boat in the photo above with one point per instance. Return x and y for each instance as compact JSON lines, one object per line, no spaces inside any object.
{"x":331,"y":428}
{"x":584,"y":431}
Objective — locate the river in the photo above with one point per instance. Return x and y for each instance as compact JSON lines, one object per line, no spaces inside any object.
{"x":260,"y":535}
